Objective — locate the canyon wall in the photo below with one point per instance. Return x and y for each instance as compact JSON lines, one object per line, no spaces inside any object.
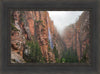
{"x":76,"y":36}
{"x":31,"y":25}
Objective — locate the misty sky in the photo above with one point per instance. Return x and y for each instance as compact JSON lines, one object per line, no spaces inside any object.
{"x":62,"y":19}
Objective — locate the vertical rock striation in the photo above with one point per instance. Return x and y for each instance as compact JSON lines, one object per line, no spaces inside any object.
{"x":77,"y":35}
{"x":37,"y":25}
{"x":31,"y":25}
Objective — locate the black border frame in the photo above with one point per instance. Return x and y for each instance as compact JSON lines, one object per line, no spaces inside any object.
{"x":5,"y":36}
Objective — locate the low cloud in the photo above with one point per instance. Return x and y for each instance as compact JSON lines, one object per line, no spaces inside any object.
{"x":62,"y":19}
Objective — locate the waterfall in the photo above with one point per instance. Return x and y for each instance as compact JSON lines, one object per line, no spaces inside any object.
{"x":50,"y":39}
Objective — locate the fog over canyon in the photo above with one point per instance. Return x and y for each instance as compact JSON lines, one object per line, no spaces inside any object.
{"x":49,"y":36}
{"x":62,"y":19}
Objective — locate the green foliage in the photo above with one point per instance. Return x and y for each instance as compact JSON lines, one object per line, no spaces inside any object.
{"x":12,"y":22}
{"x":11,"y":19}
{"x":21,"y":17}
{"x":43,"y":60}
{"x":70,"y":56}
{"x":84,"y":58}
{"x":49,"y":48}
{"x":39,"y":21}
{"x":57,"y":60}
{"x":43,"y":25}
{"x":55,"y":51}
{"x":42,"y":30}
{"x":35,"y":55}
{"x":63,"y":60}
{"x":21,"y":12}
{"x":13,"y":28}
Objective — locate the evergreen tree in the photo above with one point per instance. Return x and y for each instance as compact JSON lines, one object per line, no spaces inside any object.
{"x":55,"y":51}
{"x":70,"y":56}
{"x":84,"y":57}
{"x":35,"y":53}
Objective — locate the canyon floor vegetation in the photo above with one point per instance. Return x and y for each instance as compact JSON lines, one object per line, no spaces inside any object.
{"x":37,"y":37}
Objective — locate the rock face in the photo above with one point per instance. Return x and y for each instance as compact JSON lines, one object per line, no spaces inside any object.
{"x":58,"y":42}
{"x":27,"y":25}
{"x":16,"y":58}
{"x":37,"y":25}
{"x":77,"y":35}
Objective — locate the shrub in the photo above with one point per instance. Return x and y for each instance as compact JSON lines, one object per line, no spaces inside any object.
{"x":11,"y":18}
{"x":39,"y":21}
{"x":70,"y":56}
{"x":21,"y":17}
{"x":84,"y":58}
{"x":57,"y":60}
{"x":55,"y":51}
{"x":63,"y":60}
{"x":35,"y":55}
{"x":42,"y":30}
{"x":13,"y":28}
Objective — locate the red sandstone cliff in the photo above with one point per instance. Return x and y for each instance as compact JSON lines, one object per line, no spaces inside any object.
{"x":34,"y":25}
{"x":31,"y":24}
{"x":77,"y":35}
